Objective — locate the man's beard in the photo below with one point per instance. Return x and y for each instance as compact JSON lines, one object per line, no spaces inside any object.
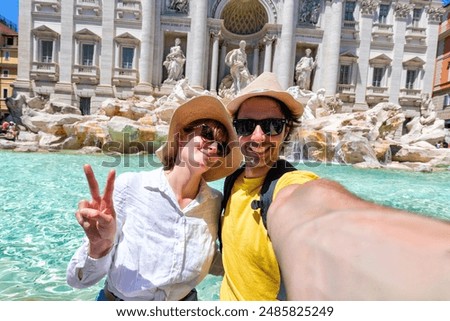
{"x":253,"y":157}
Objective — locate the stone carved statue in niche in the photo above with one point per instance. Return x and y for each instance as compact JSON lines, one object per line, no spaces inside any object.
{"x":236,"y":59}
{"x":303,"y":70}
{"x":179,"y":5}
{"x":174,"y":62}
{"x":309,"y":12}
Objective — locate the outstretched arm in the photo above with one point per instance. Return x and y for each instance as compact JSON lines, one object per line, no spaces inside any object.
{"x":332,"y":245}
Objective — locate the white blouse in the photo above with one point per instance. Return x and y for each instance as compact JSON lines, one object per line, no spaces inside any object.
{"x":161,"y":252}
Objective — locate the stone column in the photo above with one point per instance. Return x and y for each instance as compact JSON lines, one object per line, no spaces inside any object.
{"x":214,"y":61}
{"x":22,"y":84}
{"x":285,"y":63}
{"x":329,"y":62}
{"x":197,"y":40}
{"x":146,"y":60}
{"x":255,"y":59}
{"x":268,"y":40}
{"x":365,"y":32}
{"x":105,"y":89}
{"x":434,"y":18}
{"x":63,"y":88}
{"x":401,"y":15}
{"x":223,"y":54}
{"x":35,"y":49}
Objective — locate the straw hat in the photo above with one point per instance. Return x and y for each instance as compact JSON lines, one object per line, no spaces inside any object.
{"x":203,"y":107}
{"x":266,"y":85}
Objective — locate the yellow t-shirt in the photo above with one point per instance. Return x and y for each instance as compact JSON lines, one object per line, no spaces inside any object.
{"x":251,"y":268}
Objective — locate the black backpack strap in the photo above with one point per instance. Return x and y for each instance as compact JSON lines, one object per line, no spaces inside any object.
{"x":227,"y":187}
{"x":282,"y":295}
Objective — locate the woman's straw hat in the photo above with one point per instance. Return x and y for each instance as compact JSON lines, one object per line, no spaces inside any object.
{"x":266,"y":85}
{"x":203,"y":107}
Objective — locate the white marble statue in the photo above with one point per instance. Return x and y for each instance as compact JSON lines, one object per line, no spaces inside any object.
{"x":427,"y":111}
{"x":334,"y":104}
{"x":182,"y":92}
{"x":174,"y":62}
{"x":425,"y":127}
{"x":317,"y":102}
{"x":236,"y":59}
{"x":303,"y":70}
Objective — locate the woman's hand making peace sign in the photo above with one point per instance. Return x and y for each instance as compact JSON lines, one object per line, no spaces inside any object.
{"x":97,"y":217}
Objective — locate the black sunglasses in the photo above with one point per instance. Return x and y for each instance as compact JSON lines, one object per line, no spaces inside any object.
{"x":207,"y":134}
{"x":270,"y":126}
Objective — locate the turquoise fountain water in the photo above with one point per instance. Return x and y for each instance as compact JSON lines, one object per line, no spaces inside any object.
{"x":40,"y":192}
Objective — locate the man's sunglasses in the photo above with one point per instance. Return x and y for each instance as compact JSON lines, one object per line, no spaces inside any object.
{"x":207,"y":134}
{"x":270,"y":126}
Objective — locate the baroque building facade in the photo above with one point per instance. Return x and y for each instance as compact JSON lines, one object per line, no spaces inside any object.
{"x":367,"y":51}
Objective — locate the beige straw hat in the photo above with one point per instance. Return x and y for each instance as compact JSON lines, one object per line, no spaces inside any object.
{"x":266,"y":85}
{"x":203,"y":107}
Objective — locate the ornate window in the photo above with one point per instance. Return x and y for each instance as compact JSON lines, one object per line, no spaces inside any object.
{"x":45,"y":40}
{"x":127,"y":57}
{"x":378,"y":74}
{"x":126,"y":53}
{"x":384,"y":13}
{"x":349,"y":10}
{"x":46,"y":51}
{"x":412,"y":68}
{"x":85,"y":68}
{"x":87,"y":43}
{"x":446,"y":101}
{"x":411,"y":76}
{"x":45,"y":56}
{"x":380,"y":66}
{"x":345,"y":74}
{"x":87,"y":54}
{"x":417,"y":15}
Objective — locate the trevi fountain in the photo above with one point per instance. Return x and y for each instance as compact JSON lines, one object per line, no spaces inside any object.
{"x":375,"y":138}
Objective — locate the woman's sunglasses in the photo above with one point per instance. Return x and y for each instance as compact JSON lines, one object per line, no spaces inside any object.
{"x":207,"y":134}
{"x":270,"y":126}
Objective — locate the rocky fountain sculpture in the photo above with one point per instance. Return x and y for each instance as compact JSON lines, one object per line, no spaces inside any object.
{"x":123,"y":126}
{"x":373,"y":138}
